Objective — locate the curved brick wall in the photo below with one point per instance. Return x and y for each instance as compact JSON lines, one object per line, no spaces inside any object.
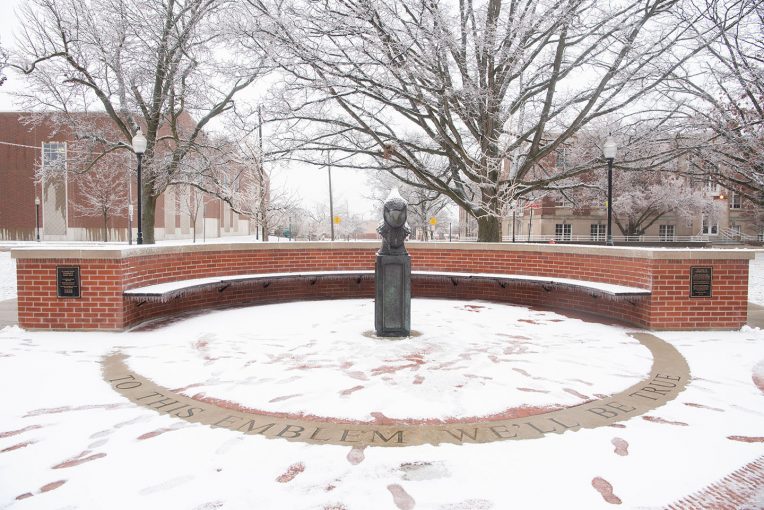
{"x":107,"y":272}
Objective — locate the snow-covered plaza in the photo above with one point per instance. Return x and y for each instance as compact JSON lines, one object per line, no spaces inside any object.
{"x":495,"y":395}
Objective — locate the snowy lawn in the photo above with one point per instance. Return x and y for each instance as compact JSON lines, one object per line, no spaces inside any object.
{"x":67,"y":440}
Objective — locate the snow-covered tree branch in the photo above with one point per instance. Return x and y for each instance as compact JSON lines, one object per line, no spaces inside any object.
{"x":470,"y":97}
{"x":169,"y":67}
{"x":721,"y":94}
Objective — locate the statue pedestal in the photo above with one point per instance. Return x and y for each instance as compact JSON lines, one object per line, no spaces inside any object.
{"x":392,"y":305}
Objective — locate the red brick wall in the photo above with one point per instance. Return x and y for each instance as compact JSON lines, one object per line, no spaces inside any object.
{"x":17,"y":188}
{"x":103,"y":280}
{"x":672,"y":308}
{"x":101,"y":304}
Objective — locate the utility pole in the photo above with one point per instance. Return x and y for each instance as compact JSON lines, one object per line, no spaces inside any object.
{"x":261,"y":170}
{"x":331,"y":199}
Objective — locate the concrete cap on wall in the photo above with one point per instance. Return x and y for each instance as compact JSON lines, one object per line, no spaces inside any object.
{"x":73,"y":251}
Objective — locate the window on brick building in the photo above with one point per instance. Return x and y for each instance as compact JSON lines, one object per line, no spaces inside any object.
{"x":598,"y":232}
{"x":563,"y":231}
{"x":735,"y":200}
{"x":710,"y":229}
{"x":54,"y":155}
{"x":561,"y":158}
{"x":666,"y":233}
{"x":711,"y":183}
{"x":54,"y":192}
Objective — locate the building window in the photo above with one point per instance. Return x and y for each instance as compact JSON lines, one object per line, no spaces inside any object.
{"x":666,"y":233}
{"x":598,"y":232}
{"x":711,"y":184}
{"x":561,"y":158}
{"x":710,"y":230}
{"x":563,"y":231}
{"x":735,"y":200}
{"x":54,"y":189}
{"x":54,"y":155}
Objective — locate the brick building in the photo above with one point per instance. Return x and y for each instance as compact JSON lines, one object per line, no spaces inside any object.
{"x":552,"y":218}
{"x":25,"y":146}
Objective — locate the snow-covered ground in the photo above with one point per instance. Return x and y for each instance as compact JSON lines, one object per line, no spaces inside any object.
{"x":68,"y":440}
{"x":321,"y":358}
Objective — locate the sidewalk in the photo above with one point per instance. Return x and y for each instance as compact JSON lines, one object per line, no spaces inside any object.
{"x":9,"y":313}
{"x":755,"y":315}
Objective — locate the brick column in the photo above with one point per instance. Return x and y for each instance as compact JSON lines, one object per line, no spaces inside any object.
{"x":99,"y":307}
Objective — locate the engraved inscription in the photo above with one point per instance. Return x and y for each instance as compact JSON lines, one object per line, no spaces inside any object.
{"x":700,"y":281}
{"x":68,"y":281}
{"x":668,"y":377}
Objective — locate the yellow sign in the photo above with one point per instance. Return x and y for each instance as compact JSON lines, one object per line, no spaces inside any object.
{"x":337,"y":220}
{"x":433,"y":221}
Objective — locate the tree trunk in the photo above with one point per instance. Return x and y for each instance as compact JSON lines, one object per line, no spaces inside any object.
{"x":105,"y":227}
{"x":489,"y":229}
{"x":149,"y":215}
{"x":264,"y":226}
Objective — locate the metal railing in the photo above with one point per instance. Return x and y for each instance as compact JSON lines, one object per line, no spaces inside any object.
{"x":548,"y":238}
{"x":733,"y":235}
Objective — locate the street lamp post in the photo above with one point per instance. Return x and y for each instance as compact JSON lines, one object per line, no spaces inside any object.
{"x":139,"y":146}
{"x":609,"y":151}
{"x":129,"y":223}
{"x":37,"y":216}
{"x":514,"y":223}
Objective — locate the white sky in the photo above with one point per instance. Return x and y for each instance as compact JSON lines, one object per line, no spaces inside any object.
{"x":308,"y":183}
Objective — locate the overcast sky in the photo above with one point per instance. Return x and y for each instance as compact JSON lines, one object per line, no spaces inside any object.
{"x":308,"y":183}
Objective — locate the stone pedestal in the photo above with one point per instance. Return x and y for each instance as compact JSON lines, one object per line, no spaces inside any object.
{"x":392,"y":306}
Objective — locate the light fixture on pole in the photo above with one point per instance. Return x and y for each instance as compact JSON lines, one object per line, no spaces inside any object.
{"x":609,"y":151}
{"x":139,"y":147}
{"x":37,"y":216}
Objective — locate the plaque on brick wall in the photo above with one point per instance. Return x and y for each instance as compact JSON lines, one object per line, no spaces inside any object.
{"x":68,"y":281}
{"x":700,"y":281}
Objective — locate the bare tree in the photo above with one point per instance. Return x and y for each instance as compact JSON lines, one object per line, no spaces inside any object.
{"x":317,"y":221}
{"x":648,"y":183}
{"x":248,"y":185}
{"x":646,"y":197}
{"x":191,"y":200}
{"x":721,"y":94}
{"x":424,"y":204}
{"x":3,"y":64}
{"x":471,"y":98}
{"x":102,"y":194}
{"x":169,"y":67}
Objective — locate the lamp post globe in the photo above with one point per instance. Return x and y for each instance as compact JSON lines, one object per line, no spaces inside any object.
{"x":139,"y":147}
{"x":609,"y":150}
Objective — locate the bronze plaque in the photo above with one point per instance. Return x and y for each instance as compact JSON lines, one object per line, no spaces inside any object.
{"x":700,"y":281}
{"x":68,"y":281}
